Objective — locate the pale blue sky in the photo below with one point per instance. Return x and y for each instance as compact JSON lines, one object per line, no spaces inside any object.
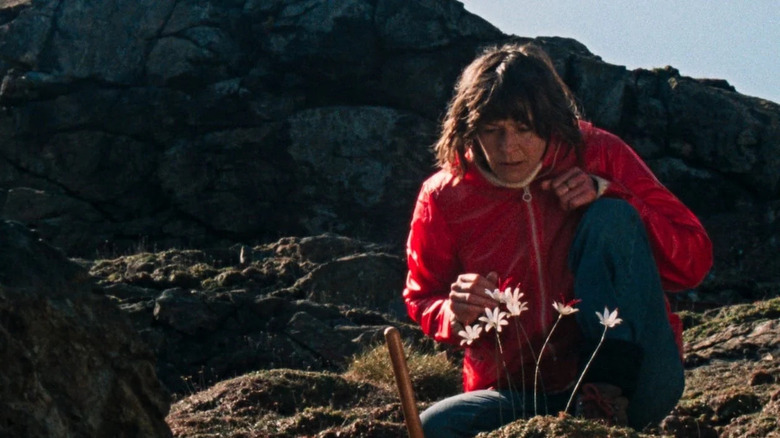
{"x":736,"y":40}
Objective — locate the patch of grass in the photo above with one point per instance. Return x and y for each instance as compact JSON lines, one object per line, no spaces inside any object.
{"x":433,"y":376}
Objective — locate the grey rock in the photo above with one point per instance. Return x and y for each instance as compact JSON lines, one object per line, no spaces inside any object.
{"x":755,"y":338}
{"x":187,"y":312}
{"x":316,"y":336}
{"x":363,"y":280}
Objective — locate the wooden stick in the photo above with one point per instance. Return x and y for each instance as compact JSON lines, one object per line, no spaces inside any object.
{"x":401,"y":372}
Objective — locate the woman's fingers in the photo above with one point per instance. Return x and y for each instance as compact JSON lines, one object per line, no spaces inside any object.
{"x":574,"y":188}
{"x":466,"y":313}
{"x":474,"y":283}
{"x":471,"y":299}
{"x":567,"y":180}
{"x":468,"y":298}
{"x":581,"y":195}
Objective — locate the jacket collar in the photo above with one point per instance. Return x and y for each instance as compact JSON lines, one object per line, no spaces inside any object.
{"x":478,"y":175}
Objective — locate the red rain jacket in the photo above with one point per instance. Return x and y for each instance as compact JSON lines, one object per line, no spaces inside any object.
{"x":468,"y":225}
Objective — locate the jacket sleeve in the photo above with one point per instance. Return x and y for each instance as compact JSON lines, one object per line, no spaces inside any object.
{"x":680,"y":244}
{"x":432,"y":267}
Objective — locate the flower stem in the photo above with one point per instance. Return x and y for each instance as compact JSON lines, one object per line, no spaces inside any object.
{"x":522,"y":362}
{"x":508,"y":378}
{"x":539,"y":360}
{"x":585,"y":370}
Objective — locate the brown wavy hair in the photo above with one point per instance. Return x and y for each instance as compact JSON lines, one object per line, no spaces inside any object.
{"x":507,"y":82}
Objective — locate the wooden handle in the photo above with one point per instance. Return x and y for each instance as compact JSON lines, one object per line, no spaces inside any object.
{"x":402,"y":380}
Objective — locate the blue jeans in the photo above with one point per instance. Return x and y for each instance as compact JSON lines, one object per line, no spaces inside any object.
{"x":613,"y":266}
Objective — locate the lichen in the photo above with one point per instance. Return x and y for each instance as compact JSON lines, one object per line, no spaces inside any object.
{"x":716,"y":320}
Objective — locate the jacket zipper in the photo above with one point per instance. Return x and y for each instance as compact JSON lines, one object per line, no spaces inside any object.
{"x":537,"y":252}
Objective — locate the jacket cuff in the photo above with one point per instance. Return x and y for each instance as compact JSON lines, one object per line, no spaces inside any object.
{"x":449,"y":325}
{"x":601,"y":185}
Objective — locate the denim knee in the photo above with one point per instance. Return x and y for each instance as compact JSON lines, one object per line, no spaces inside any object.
{"x":612,"y":220}
{"x":444,"y":418}
{"x":468,"y":413}
{"x":434,"y":424}
{"x":613,"y":265}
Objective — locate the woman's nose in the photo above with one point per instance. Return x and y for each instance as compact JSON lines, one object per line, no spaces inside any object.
{"x":509,"y":140}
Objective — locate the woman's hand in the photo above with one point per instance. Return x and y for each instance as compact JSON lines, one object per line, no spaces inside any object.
{"x":574,"y":188}
{"x":468,"y":299}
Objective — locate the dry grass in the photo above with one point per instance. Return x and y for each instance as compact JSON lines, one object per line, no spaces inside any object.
{"x":433,"y":375}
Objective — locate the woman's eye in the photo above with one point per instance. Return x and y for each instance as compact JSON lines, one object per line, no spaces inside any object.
{"x":522,"y":127}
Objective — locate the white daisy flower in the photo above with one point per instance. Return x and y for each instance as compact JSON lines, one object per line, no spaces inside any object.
{"x":470,"y":333}
{"x":494,"y":319}
{"x":608,"y":319}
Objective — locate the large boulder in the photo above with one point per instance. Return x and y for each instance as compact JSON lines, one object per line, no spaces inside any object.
{"x":72,"y":365}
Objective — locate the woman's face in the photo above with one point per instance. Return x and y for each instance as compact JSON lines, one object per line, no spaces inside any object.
{"x":512,"y":149}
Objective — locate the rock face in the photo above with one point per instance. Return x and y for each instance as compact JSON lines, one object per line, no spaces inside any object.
{"x":301,"y":303}
{"x":195,"y":123}
{"x":71,"y":366}
{"x":201,"y":123}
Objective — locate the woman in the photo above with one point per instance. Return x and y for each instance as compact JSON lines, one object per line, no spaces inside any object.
{"x":529,"y":195}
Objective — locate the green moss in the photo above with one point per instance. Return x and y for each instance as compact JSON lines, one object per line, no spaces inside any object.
{"x":717,"y":320}
{"x":141,"y":258}
{"x":569,"y":427}
{"x":690,"y":319}
{"x":202,"y":271}
{"x":209,"y":284}
{"x":696,"y":408}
